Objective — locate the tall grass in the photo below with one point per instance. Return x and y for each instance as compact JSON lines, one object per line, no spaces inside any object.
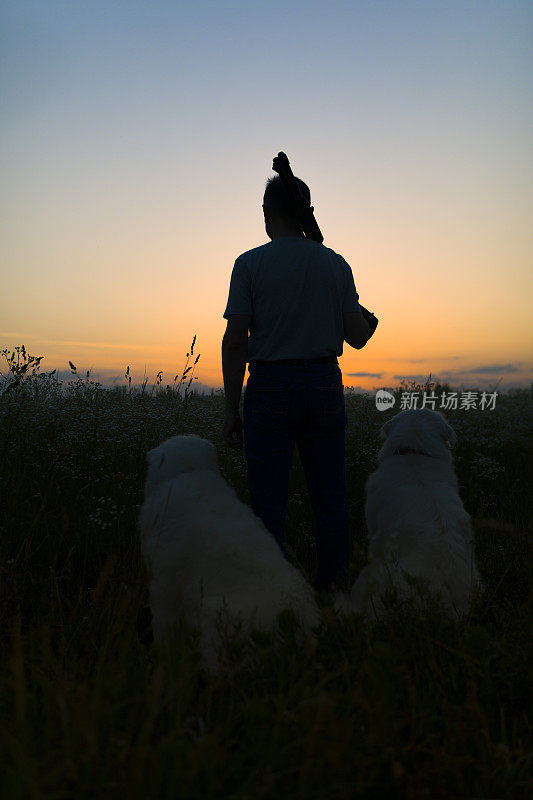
{"x":413,"y":706}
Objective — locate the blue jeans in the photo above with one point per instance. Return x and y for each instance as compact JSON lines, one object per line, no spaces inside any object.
{"x":303,"y":404}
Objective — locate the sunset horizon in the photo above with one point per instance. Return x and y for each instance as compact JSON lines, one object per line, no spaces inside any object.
{"x":482,"y":376}
{"x":136,"y":150}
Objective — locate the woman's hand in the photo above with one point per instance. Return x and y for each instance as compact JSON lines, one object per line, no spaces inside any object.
{"x":232,"y":431}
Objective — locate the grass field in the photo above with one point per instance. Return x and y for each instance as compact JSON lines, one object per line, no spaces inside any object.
{"x":413,"y":706}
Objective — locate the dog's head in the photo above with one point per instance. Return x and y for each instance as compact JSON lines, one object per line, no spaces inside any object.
{"x":178,"y":455}
{"x":422,"y":430}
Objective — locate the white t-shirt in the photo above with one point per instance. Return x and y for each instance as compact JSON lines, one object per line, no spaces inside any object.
{"x":296,"y":291}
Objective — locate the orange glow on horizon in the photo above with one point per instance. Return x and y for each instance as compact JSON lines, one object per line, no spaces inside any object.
{"x":425,"y":352}
{"x":136,"y":163}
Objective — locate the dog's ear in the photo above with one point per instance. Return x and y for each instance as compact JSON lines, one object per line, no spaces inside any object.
{"x":452,"y":436}
{"x":385,"y":429}
{"x":152,"y":455}
{"x":448,"y":434}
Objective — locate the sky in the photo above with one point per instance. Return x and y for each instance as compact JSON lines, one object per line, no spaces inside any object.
{"x":137,"y":138}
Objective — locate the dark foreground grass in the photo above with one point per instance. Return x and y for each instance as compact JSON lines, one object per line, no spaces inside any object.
{"x":413,"y":706}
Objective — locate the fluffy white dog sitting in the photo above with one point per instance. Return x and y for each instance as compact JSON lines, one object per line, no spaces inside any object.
{"x":207,"y":552}
{"x":416,"y":521}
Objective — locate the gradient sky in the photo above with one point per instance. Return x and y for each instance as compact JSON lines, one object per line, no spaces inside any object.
{"x":136,"y":140}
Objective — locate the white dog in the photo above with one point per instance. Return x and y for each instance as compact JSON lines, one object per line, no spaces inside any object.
{"x":416,"y":521}
{"x":208,"y":553}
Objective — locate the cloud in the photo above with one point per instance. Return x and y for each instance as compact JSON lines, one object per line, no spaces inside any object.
{"x":409,"y":360}
{"x":405,"y":360}
{"x":364,"y":374}
{"x":16,"y":335}
{"x":489,"y":369}
{"x":76,"y":344}
{"x":419,"y":378}
{"x":446,"y":374}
